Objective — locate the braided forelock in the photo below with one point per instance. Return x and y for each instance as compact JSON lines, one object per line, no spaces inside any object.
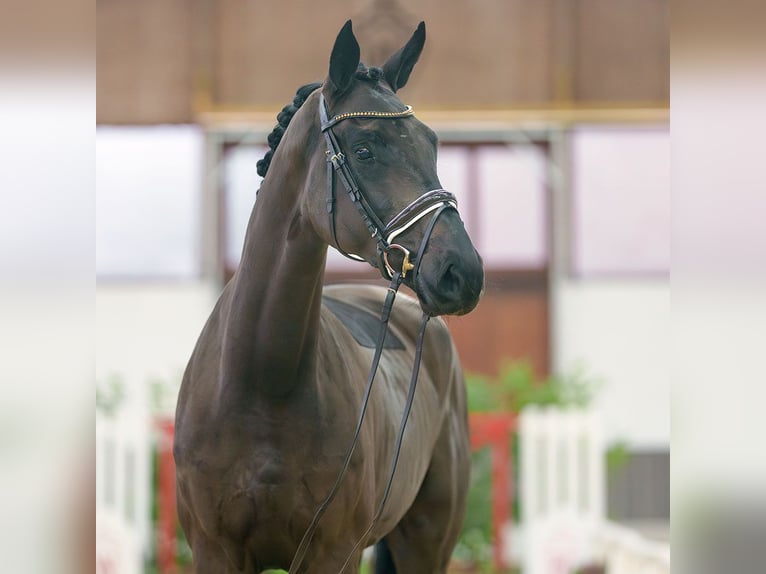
{"x":368,"y":74}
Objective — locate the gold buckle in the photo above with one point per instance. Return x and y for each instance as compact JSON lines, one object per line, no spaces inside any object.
{"x":406,"y":264}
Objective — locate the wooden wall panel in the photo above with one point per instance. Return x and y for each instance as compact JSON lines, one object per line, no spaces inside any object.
{"x":493,"y":53}
{"x":266,"y":49}
{"x":154,"y":57}
{"x":144,"y":67}
{"x":622,"y":50}
{"x":506,"y":325}
{"x":490,"y":54}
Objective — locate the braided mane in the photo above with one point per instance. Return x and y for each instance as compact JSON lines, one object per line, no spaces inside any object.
{"x":368,"y":74}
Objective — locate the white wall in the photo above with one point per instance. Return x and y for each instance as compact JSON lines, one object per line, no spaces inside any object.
{"x":147,"y":331}
{"x":619,"y":330}
{"x":148,"y":219}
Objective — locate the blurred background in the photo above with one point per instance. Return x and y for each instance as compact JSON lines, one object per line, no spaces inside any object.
{"x":553,"y":121}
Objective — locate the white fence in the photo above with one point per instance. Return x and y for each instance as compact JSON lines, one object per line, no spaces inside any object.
{"x":562,"y":498}
{"x":123,"y":491}
{"x":625,"y":551}
{"x":561,"y":488}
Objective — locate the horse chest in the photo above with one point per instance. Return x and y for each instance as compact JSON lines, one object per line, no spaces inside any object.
{"x":283,"y":464}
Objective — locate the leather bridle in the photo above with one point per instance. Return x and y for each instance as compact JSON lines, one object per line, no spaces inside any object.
{"x":433,"y":202}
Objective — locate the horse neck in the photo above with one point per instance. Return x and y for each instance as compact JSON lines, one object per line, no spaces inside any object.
{"x":273,"y":314}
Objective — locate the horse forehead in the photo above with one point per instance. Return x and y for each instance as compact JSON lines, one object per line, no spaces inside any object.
{"x":379,"y":98}
{"x":374,"y":97}
{"x":393,"y":130}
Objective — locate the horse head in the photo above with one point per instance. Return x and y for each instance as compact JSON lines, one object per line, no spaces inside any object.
{"x":389,"y":160}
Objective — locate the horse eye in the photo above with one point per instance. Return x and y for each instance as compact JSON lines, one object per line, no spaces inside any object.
{"x":363,"y":153}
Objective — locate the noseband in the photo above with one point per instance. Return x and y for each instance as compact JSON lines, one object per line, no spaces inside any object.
{"x":436,"y":200}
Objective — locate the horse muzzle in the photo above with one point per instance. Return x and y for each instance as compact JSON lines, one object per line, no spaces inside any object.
{"x":450,"y":284}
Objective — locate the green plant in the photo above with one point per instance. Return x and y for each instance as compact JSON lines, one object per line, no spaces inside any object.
{"x":163,"y":393}
{"x":474,"y":547}
{"x":517,"y":387}
{"x":617,"y":455}
{"x":514,"y":388}
{"x":110,"y":395}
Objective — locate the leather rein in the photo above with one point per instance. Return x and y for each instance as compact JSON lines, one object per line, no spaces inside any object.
{"x":433,"y":202}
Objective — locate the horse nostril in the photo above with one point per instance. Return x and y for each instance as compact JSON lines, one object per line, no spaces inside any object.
{"x":450,"y":282}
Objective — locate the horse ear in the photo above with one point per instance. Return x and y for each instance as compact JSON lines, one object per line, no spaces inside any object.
{"x":344,"y":59}
{"x":398,"y":67}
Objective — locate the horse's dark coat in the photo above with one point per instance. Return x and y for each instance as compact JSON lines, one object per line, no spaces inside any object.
{"x":272,"y":391}
{"x":363,"y":325}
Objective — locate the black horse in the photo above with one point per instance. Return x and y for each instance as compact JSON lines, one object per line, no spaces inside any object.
{"x":269,"y":399}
